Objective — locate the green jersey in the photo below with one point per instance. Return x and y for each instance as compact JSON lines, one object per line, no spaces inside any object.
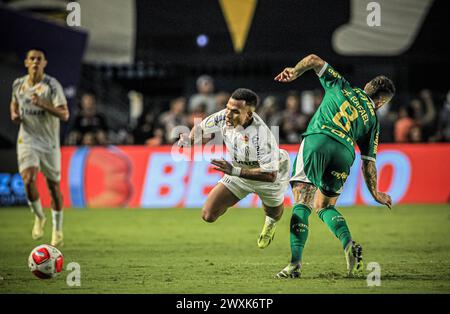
{"x":346,"y":114}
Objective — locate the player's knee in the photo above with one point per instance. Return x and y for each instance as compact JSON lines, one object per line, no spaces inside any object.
{"x":28,"y":180}
{"x":208,"y":217}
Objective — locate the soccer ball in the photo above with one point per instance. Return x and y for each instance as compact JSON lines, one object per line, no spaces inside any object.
{"x":45,"y":261}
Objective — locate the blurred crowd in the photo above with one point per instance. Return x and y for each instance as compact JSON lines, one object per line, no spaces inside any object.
{"x":424,"y":118}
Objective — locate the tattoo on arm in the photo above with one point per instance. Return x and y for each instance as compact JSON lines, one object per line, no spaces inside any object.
{"x":304,"y":193}
{"x":258,"y":175}
{"x":310,"y":62}
{"x":370,"y":175}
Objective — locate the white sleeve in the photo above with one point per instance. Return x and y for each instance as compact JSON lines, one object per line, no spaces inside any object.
{"x":213,"y":123}
{"x":58,"y":97}
{"x":322,"y":70}
{"x":15,"y":88}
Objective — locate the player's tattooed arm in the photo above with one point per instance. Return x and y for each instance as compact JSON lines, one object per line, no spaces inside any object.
{"x":309,"y":62}
{"x":15,"y":115}
{"x":370,"y":176}
{"x":304,"y":193}
{"x":256,"y":174}
{"x":61,"y":111}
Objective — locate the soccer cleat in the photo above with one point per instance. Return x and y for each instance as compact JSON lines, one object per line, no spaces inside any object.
{"x":291,"y":271}
{"x":353,"y":256}
{"x":38,"y":228}
{"x":57,"y":238}
{"x":267,"y":235}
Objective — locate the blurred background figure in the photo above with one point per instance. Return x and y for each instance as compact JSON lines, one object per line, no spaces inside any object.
{"x":404,"y":124}
{"x":147,"y":129}
{"x":443,"y":125}
{"x":425,"y":113}
{"x":88,"y":120}
{"x":204,"y":95}
{"x":269,"y":111}
{"x":197,"y":115}
{"x":293,"y":121}
{"x":221,"y":100}
{"x":176,"y":116}
{"x":415,"y":135}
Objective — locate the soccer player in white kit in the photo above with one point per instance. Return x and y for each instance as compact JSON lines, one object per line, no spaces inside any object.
{"x":258,"y":165}
{"x":37,"y":104}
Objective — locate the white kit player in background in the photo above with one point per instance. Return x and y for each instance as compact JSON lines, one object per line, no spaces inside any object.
{"x":37,"y":104}
{"x":258,"y":165}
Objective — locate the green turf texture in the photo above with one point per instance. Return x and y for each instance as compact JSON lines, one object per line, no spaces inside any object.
{"x":174,"y":251}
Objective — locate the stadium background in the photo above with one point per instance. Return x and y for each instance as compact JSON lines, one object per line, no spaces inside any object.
{"x":132,"y":67}
{"x":138,"y":68}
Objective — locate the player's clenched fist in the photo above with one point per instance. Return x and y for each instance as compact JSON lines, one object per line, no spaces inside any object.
{"x":384,"y":199}
{"x":184,"y":140}
{"x":35,"y":100}
{"x":15,"y":117}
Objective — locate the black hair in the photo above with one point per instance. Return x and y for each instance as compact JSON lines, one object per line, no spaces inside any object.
{"x":36,"y":49}
{"x":381,"y":86}
{"x":250,"y":97}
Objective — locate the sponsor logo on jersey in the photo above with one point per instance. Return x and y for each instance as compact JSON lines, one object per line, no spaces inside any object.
{"x":339,"y":175}
{"x":247,"y":163}
{"x":219,"y":118}
{"x":33,"y":112}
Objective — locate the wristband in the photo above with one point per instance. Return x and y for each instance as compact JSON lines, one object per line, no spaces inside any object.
{"x":236,"y":171}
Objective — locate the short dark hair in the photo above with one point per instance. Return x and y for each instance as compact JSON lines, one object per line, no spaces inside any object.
{"x":250,"y":97}
{"x":381,"y":86}
{"x":36,"y":49}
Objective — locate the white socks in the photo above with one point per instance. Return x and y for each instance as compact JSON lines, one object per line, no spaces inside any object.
{"x":36,"y":208}
{"x":57,"y":217}
{"x":270,"y":221}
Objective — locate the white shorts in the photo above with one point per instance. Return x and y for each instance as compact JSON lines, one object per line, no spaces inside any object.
{"x":47,"y":162}
{"x":271,"y":194}
{"x":299,"y":174}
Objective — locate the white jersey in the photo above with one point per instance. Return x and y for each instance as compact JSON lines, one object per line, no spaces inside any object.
{"x":252,"y":147}
{"x":39,"y":129}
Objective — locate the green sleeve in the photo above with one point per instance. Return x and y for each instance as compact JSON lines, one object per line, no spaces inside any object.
{"x":368,"y":145}
{"x":330,"y":78}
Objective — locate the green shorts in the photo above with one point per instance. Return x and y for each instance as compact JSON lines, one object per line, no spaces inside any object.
{"x":324,"y":162}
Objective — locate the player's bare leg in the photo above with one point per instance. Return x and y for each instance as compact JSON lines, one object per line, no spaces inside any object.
{"x":273,"y":214}
{"x":57,"y":213}
{"x":29,"y":182}
{"x":304,"y":194}
{"x":217,"y":203}
{"x":325,"y":208}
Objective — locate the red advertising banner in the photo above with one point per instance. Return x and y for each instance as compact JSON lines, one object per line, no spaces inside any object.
{"x":139,"y":176}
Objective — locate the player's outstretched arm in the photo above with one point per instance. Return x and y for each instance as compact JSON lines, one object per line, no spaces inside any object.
{"x":309,"y":62}
{"x":61,"y":111}
{"x":15,"y":115}
{"x":369,"y":170}
{"x":256,"y":174}
{"x":195,"y":137}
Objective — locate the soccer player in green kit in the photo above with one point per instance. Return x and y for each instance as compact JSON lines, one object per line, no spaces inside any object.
{"x":345,"y":117}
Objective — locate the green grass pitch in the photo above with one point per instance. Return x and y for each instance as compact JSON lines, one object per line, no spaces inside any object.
{"x":174,"y":251}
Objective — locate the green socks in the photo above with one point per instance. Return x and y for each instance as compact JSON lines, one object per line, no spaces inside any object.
{"x":299,"y":231}
{"x":336,"y":223}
